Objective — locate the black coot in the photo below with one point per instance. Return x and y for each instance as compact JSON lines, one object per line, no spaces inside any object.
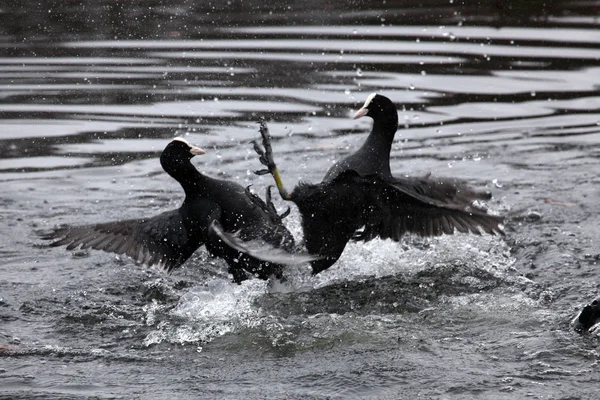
{"x":359,"y":199}
{"x":224,"y":216}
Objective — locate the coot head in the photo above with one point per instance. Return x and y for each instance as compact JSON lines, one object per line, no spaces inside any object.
{"x":178,"y":152}
{"x":378,"y":107}
{"x":177,"y":155}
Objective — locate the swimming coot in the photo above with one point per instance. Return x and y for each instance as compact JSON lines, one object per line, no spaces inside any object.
{"x":360,"y":200}
{"x":220,"y":214}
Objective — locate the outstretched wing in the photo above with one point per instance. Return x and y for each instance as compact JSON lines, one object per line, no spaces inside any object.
{"x":161,"y":241}
{"x":426,"y":207}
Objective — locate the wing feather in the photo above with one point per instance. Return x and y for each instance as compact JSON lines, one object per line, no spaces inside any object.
{"x":424,"y":206}
{"x":161,"y":240}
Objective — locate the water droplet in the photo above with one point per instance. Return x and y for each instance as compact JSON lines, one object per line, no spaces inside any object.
{"x":359,"y":72}
{"x":347,"y":91}
{"x":496,"y":183}
{"x":423,"y":73}
{"x":533,"y":94}
{"x":411,"y":87}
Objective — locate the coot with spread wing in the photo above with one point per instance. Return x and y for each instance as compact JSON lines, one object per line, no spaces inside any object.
{"x":224,"y":216}
{"x":359,"y":198}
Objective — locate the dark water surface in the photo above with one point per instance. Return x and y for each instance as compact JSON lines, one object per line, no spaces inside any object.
{"x":504,"y":95}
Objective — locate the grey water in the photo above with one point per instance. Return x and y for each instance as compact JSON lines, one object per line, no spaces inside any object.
{"x":504,"y":95}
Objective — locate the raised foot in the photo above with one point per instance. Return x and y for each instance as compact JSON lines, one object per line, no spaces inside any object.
{"x":267,"y":205}
{"x":265,"y":152}
{"x":271,"y":206}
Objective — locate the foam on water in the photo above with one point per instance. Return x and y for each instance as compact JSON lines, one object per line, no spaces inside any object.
{"x":214,"y":309}
{"x":380,"y":258}
{"x":220,"y":307}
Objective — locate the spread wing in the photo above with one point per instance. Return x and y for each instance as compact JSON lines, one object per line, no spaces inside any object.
{"x":161,"y":241}
{"x":426,"y":207}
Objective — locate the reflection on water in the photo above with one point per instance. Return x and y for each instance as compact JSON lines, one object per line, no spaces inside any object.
{"x":503,"y":94}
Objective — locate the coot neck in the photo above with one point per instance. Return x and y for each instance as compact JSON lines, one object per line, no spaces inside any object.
{"x":378,"y":145}
{"x":194,"y":184}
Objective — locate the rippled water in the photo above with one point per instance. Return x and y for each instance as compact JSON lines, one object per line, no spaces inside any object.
{"x":503,"y":95}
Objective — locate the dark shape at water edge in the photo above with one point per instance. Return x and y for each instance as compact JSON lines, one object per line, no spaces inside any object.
{"x":588,"y":317}
{"x":213,"y":210}
{"x":360,"y":200}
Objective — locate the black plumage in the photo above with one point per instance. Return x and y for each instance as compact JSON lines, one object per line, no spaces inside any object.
{"x":220,"y":214}
{"x":359,"y":199}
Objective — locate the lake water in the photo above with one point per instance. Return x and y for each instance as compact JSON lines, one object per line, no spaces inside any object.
{"x":503,"y":95}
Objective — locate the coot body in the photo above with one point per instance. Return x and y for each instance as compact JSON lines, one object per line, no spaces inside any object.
{"x":220,"y":214}
{"x":359,"y":198}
